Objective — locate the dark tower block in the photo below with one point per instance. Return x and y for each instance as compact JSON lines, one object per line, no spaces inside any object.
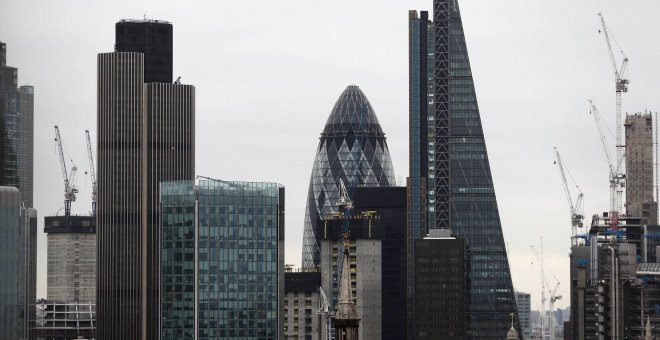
{"x":153,"y":38}
{"x":146,"y":135}
{"x":464,"y":195}
{"x":450,"y":186}
{"x":119,"y":205}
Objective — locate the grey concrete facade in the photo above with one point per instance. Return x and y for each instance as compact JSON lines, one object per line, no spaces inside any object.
{"x":639,"y":169}
{"x":71,"y":259}
{"x":524,"y":313}
{"x":365,"y":260}
{"x":72,"y":268}
{"x":301,"y":303}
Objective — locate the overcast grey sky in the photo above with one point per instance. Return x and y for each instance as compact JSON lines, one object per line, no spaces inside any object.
{"x":267,"y":74}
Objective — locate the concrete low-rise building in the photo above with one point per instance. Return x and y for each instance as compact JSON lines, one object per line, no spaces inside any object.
{"x":301,"y":304}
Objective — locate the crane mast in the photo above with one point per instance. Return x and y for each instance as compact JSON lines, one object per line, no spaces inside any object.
{"x":325,"y":309}
{"x":551,"y":296}
{"x":92,"y":171}
{"x":621,"y":86}
{"x":616,"y":178}
{"x":577,"y":216}
{"x":70,"y":189}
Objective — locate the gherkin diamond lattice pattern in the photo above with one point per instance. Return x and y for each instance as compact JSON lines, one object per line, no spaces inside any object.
{"x":352,"y":148}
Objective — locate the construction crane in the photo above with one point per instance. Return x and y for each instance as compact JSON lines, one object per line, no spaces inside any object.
{"x":326,"y":309}
{"x":92,"y":171}
{"x":621,"y":86}
{"x":553,"y":298}
{"x":617,"y":178}
{"x":70,"y":189}
{"x":345,"y":213}
{"x":346,"y":203}
{"x":577,"y":208}
{"x":552,"y":295}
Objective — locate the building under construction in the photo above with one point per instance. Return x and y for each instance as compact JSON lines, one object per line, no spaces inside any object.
{"x":376,"y":257}
{"x":71,"y":258}
{"x":639,"y":168}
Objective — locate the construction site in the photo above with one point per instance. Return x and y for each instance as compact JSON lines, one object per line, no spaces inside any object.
{"x":614,"y":270}
{"x":71,"y":280}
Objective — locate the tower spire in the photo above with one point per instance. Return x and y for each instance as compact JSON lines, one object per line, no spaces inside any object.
{"x":346,"y":320}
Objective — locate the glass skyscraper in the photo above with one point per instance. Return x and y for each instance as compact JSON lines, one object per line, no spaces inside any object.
{"x":463,"y":197}
{"x":16,"y":130}
{"x":352,"y":148}
{"x":222,"y":260}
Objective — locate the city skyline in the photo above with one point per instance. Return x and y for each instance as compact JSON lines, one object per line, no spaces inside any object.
{"x":546,"y":96}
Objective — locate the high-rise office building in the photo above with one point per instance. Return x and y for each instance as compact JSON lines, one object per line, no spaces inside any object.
{"x":27,"y":276}
{"x":145,"y":136}
{"x":26,"y":144}
{"x":71,"y":265}
{"x":421,"y":143}
{"x":222,"y":260}
{"x":16,"y":130}
{"x":18,"y":272}
{"x":463,"y":197}
{"x":377,"y":260}
{"x":524,"y":313}
{"x":440,"y":287}
{"x":352,"y":148}
{"x":10,"y":244}
{"x":639,"y":169}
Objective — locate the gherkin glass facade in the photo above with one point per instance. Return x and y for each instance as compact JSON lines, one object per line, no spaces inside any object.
{"x":352,"y":148}
{"x":463,"y":197}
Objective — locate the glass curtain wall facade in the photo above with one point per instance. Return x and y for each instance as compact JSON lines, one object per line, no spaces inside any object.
{"x":421,"y":180}
{"x":222,"y":260}
{"x":16,"y":130}
{"x":25,"y":157}
{"x":27,"y":275}
{"x":464,"y":194}
{"x":352,"y":148}
{"x":10,"y":244}
{"x":9,"y":113}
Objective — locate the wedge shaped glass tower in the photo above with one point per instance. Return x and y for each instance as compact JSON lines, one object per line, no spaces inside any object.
{"x":352,"y":148}
{"x":465,"y":195}
{"x":462,"y":196}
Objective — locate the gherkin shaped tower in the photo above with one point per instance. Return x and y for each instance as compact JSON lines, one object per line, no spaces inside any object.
{"x":352,"y":148}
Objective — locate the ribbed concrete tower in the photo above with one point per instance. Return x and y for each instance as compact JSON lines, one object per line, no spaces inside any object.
{"x":146,"y":135}
{"x":352,"y":148}
{"x":346,"y":319}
